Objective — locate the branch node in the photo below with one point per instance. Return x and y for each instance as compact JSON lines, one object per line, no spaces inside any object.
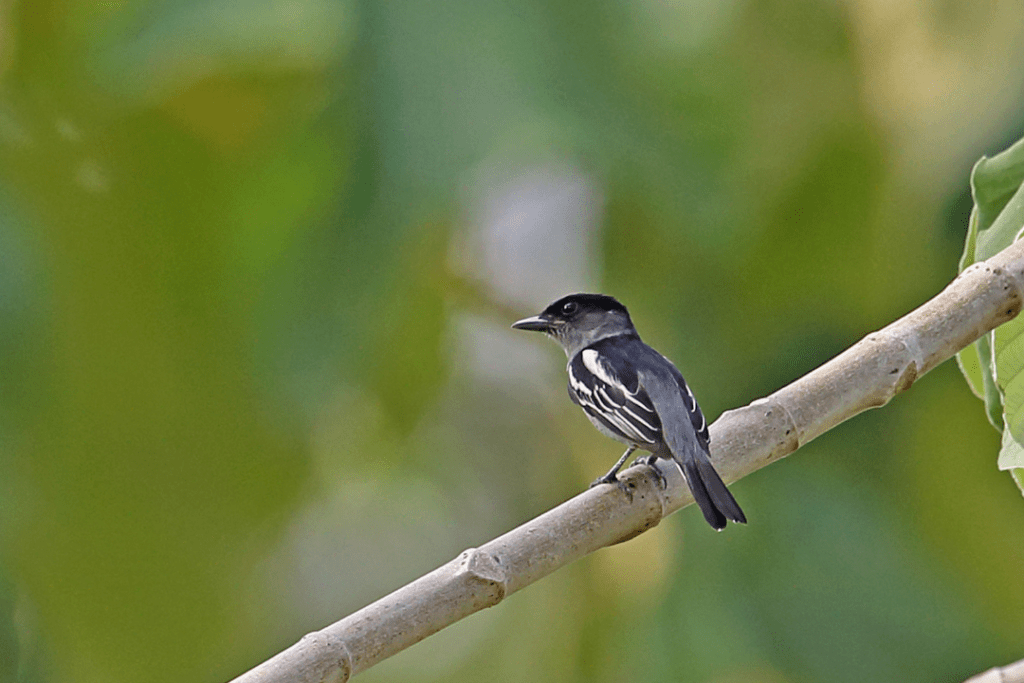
{"x":908,"y":378}
{"x":486,"y":568}
{"x":1012,"y":285}
{"x":913,"y":353}
{"x":341,"y":671}
{"x":1008,"y":270}
{"x":793,"y":438}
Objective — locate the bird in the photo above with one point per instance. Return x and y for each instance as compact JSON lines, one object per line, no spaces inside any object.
{"x":635,"y":395}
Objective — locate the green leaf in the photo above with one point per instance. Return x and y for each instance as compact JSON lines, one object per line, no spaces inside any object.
{"x":967,"y":258}
{"x":1011,"y":453}
{"x":1008,"y":347}
{"x":991,"y":183}
{"x":975,"y":360}
{"x":994,"y":182}
{"x":994,"y":365}
{"x":998,"y":201}
{"x":990,"y":389}
{"x":1011,"y":457}
{"x":970,"y":365}
{"x":1004,"y":230}
{"x":975,"y":363}
{"x":1018,"y":477}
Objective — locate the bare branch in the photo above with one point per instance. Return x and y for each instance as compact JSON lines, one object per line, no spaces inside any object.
{"x":867,"y":375}
{"x":1011,"y":673}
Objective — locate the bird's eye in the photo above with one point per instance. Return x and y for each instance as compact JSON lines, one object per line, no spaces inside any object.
{"x":570,"y":307}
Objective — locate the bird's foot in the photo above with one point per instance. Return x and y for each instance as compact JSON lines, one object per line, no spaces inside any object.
{"x":650,"y":461}
{"x":611,"y":478}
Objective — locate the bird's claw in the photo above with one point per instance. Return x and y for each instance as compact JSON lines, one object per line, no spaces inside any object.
{"x":612,"y":479}
{"x":649,"y":460}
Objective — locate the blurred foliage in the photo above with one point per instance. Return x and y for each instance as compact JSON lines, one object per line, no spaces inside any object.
{"x":994,"y":364}
{"x":255,"y":369}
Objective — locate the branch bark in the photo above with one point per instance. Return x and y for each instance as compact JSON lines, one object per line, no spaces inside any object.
{"x":867,"y":375}
{"x":1011,"y":673}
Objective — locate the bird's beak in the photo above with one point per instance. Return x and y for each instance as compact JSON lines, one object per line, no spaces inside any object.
{"x":534,"y":324}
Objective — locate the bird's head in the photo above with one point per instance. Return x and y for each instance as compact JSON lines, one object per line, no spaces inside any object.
{"x":579,"y":320}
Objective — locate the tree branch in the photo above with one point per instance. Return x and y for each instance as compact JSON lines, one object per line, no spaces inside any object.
{"x":1011,"y":673}
{"x":867,"y":375}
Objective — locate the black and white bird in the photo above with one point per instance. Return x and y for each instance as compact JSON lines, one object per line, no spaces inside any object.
{"x":633,"y":394}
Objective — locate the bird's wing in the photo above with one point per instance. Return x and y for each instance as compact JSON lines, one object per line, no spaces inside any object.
{"x":685,"y":432}
{"x":700,"y":425}
{"x":611,"y":393}
{"x":684,"y":429}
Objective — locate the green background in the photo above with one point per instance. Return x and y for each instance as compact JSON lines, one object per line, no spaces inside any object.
{"x":255,"y":369}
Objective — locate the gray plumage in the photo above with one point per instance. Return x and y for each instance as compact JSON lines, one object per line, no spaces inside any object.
{"x":632,"y":393}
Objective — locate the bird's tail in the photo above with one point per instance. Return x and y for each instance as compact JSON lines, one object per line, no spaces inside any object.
{"x":713,"y":498}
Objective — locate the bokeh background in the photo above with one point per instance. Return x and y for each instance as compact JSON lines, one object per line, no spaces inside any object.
{"x":258,"y":260}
